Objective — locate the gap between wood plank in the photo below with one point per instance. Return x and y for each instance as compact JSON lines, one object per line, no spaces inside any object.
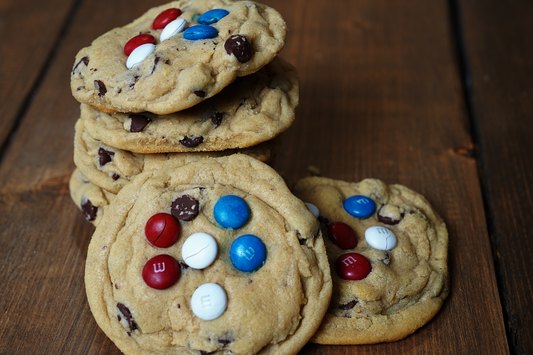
{"x":468,"y":94}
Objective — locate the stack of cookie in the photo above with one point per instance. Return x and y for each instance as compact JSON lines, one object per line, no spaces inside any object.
{"x":205,"y":81}
{"x":200,"y":247}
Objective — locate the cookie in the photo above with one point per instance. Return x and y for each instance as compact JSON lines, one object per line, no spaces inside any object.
{"x":387,"y":249}
{"x":255,"y":109}
{"x":180,"y":71}
{"x":111,"y":168}
{"x":90,"y":199}
{"x":199,"y":286}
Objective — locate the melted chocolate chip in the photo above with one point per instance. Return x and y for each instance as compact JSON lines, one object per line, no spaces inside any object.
{"x":192,"y":141}
{"x":84,"y":60}
{"x":105,"y":156}
{"x":135,"y":79}
{"x":156,"y":60}
{"x":388,"y":220}
{"x":138,"y":122}
{"x":323,"y":220}
{"x":240,"y":47}
{"x":200,"y":93}
{"x":183,"y":266}
{"x":216,"y":118}
{"x":127,"y":315}
{"x":88,"y":210}
{"x":348,"y":305}
{"x":225,"y":339}
{"x":185,"y":208}
{"x":100,"y":87}
{"x":386,"y":258}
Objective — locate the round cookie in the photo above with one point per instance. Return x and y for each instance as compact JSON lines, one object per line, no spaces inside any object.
{"x":90,"y":199}
{"x":180,"y":72}
{"x":252,"y":110}
{"x":111,"y":168}
{"x":272,"y":310}
{"x":405,"y":242}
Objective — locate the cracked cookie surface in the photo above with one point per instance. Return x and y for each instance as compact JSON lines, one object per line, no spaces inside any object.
{"x":180,"y":72}
{"x":273,"y":310}
{"x":408,"y":278}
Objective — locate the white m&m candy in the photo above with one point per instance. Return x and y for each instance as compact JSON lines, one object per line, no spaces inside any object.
{"x":313,"y":209}
{"x":199,"y":250}
{"x":209,"y":301}
{"x":172,"y":29}
{"x":380,"y":238}
{"x":139,"y":54}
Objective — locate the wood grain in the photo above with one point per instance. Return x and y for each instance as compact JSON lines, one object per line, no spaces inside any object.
{"x":498,"y":48}
{"x":380,"y":97}
{"x":29,"y":31}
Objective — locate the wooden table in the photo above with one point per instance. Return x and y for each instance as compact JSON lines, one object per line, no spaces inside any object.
{"x":434,"y":95}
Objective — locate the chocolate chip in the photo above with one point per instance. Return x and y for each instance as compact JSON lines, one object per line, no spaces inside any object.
{"x":348,"y":305}
{"x":84,"y":60}
{"x":88,"y":210}
{"x":216,"y":118}
{"x":240,"y":47}
{"x":100,"y":87}
{"x":127,"y":315}
{"x":200,"y":93}
{"x":138,"y":122}
{"x":225,"y":339}
{"x":115,"y":177}
{"x":105,"y":156}
{"x":185,"y":208}
{"x":192,"y":141}
{"x":135,"y":79}
{"x":323,"y":220}
{"x":388,"y":220}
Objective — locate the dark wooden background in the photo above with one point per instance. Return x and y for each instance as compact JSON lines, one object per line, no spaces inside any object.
{"x":436,"y":95}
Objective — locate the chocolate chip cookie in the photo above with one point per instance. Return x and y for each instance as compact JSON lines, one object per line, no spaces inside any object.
{"x":213,"y":256}
{"x":252,"y":110}
{"x":387,"y":249}
{"x":90,"y":199}
{"x":144,"y":66}
{"x":111,"y":168}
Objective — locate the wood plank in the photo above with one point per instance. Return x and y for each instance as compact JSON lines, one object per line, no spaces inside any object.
{"x":380,"y":97}
{"x":498,"y":39}
{"x":29,"y":31}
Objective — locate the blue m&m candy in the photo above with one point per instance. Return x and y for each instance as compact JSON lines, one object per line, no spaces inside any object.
{"x":359,"y":206}
{"x":200,"y":32}
{"x":212,"y":16}
{"x":247,"y":253}
{"x":231,"y":211}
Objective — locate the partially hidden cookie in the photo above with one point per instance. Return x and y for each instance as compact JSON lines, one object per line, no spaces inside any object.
{"x":90,"y":199}
{"x":387,"y":249}
{"x":252,"y":110}
{"x":216,"y":256}
{"x":111,"y":168}
{"x":207,"y":53}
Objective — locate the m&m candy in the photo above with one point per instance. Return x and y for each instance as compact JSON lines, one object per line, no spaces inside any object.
{"x":138,"y":41}
{"x":212,"y":16}
{"x":162,"y":230}
{"x":209,"y":301}
{"x":247,"y":253}
{"x":380,"y":238}
{"x":199,"y":250}
{"x":200,"y":32}
{"x":161,"y":272}
{"x":360,"y":206}
{"x":165,"y":17}
{"x":231,"y":211}
{"x":352,"y":266}
{"x":342,"y":235}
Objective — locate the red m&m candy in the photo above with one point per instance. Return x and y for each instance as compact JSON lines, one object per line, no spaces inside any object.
{"x":352,"y":266}
{"x":161,"y":272}
{"x":165,"y":18}
{"x":162,"y":230}
{"x":342,"y":235}
{"x":138,"y":41}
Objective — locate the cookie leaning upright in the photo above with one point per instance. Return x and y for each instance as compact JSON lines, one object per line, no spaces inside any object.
{"x":184,"y":69}
{"x":265,"y":293}
{"x":388,"y":249}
